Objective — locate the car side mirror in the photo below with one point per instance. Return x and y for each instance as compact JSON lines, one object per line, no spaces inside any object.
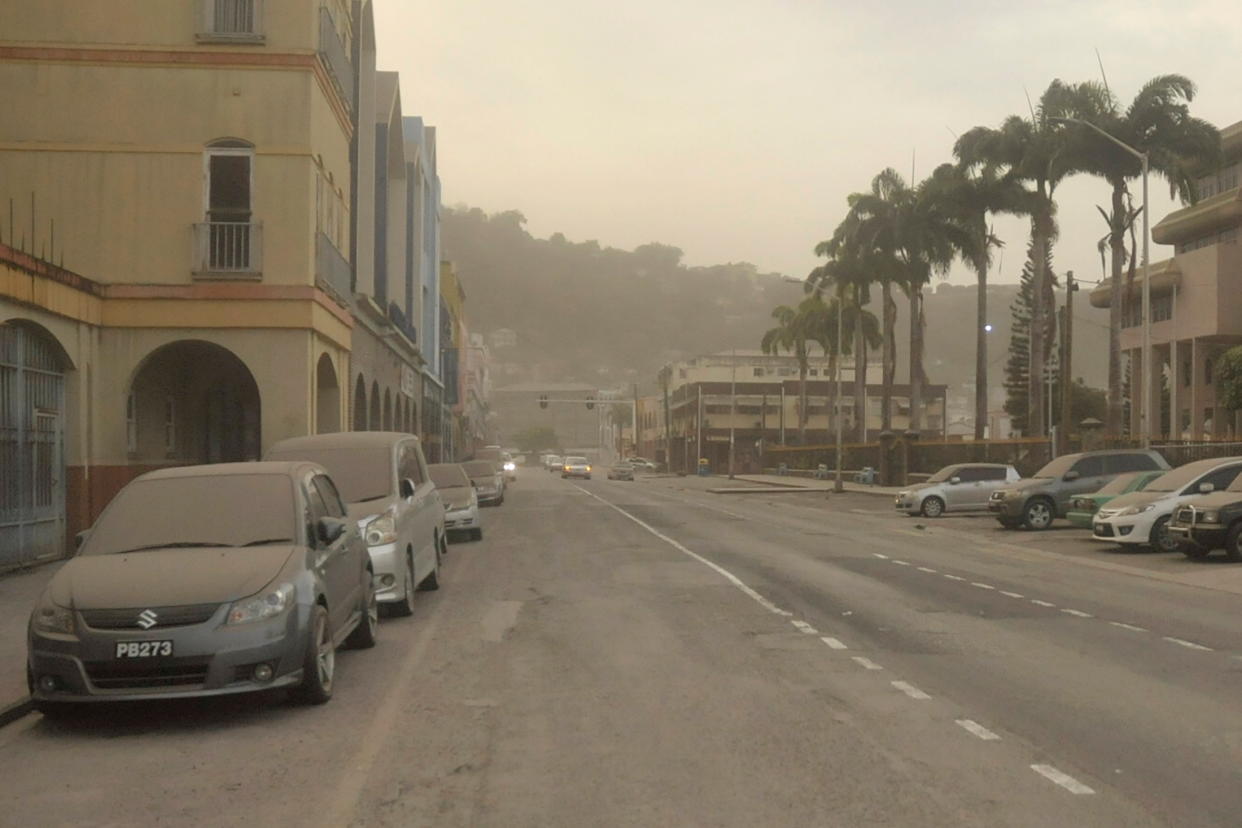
{"x":1071,"y":476}
{"x":406,"y":488}
{"x":953,"y":481}
{"x":329,"y":529}
{"x":80,"y":538}
{"x":1207,"y":488}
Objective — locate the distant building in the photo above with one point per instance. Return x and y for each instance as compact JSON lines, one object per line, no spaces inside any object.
{"x":503,"y":338}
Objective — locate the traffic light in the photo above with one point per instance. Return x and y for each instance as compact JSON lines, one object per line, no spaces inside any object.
{"x":590,"y":403}
{"x":543,"y":400}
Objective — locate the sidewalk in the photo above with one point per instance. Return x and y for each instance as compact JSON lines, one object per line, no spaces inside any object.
{"x":818,"y":485}
{"x":18,"y":593}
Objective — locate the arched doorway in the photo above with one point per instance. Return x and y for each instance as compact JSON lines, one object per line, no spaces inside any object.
{"x":387,"y":410}
{"x":32,"y":458}
{"x":327,"y":397}
{"x":360,"y":404}
{"x":398,"y":423}
{"x":193,"y":402}
{"x":376,"y":423}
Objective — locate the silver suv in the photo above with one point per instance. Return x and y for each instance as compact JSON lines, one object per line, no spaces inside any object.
{"x":1037,"y":501}
{"x":964,"y":487}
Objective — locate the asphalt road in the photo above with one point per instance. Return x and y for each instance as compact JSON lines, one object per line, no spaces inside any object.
{"x":646,"y":653}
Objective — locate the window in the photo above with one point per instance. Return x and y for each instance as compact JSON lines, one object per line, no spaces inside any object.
{"x":228,"y":241}
{"x":1090,"y":467}
{"x":408,"y":466}
{"x":758,"y":372}
{"x":814,"y":372}
{"x":1130,"y":462}
{"x":131,"y":424}
{"x":170,"y":425}
{"x":230,"y":20}
{"x":315,"y":509}
{"x":1220,"y":479}
{"x":329,"y":496}
{"x":1162,"y":308}
{"x":985,"y":473}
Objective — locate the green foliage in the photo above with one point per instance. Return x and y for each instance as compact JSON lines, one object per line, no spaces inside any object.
{"x":536,"y":438}
{"x":1227,"y":376}
{"x":1017,"y":369}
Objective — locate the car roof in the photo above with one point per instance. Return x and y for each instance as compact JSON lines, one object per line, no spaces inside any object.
{"x":285,"y":468}
{"x":983,"y":465}
{"x":343,"y":439}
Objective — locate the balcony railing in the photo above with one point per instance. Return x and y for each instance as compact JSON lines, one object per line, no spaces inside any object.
{"x":228,"y":249}
{"x":332,"y":50}
{"x":333,"y":272}
{"x":231,"y":21}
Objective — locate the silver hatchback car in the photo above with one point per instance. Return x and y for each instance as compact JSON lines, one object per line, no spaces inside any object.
{"x":964,"y":487}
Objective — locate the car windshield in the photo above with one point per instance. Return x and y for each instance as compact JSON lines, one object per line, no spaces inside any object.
{"x":1180,"y":477}
{"x":944,"y":474}
{"x":360,"y":474}
{"x":1119,"y":484}
{"x":209,"y":510}
{"x":448,"y":475}
{"x":575,"y":461}
{"x":479,"y":468}
{"x":1058,"y":467}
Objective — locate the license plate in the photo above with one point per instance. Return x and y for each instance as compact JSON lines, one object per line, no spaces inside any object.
{"x":144,"y":649}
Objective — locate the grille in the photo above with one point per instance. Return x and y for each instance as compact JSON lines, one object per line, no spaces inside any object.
{"x":1103,"y":530}
{"x":1186,"y":515}
{"x":127,"y":619}
{"x":171,"y":672}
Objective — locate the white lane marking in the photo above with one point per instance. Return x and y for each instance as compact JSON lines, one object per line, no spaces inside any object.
{"x":1078,"y":613}
{"x":1130,"y":627}
{"x":910,"y":690}
{"x":953,"y":577}
{"x":729,"y":576}
{"x":901,"y":563}
{"x":981,"y":586}
{"x":866,"y":663}
{"x":927,"y":569}
{"x":1183,"y":642}
{"x":833,"y":642}
{"x":978,"y":730}
{"x":1013,"y":594}
{"x":881,"y":557}
{"x":1063,"y":779}
{"x":805,"y":627}
{"x":1042,"y":603}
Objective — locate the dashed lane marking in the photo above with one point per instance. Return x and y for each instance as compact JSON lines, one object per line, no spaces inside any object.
{"x":977,"y":729}
{"x":1063,"y":779}
{"x":981,"y":586}
{"x":1184,"y":643}
{"x":1042,"y":603}
{"x":805,"y":627}
{"x":910,"y":690}
{"x":1130,"y":627}
{"x":880,"y":556}
{"x":901,"y":563}
{"x":1012,"y":594}
{"x":729,"y":576}
{"x":927,"y":569}
{"x":953,"y":577}
{"x":834,"y":643}
{"x":1077,"y":613}
{"x":866,"y":663}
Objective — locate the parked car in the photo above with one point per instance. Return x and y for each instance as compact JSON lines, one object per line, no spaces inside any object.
{"x":206,"y":581}
{"x":461,"y":501}
{"x":1209,"y":522}
{"x":642,"y":463}
{"x":1082,"y":508}
{"x":509,"y":465}
{"x":962,"y":487}
{"x":1039,"y":500}
{"x":383,"y":480}
{"x":488,"y":482}
{"x":1142,"y":518}
{"x":621,"y":471}
{"x":554,"y":462}
{"x":576,"y":467}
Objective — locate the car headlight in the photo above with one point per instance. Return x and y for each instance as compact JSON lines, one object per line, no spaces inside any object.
{"x":381,"y":530}
{"x":1137,"y":510}
{"x":1209,"y":517}
{"x":264,"y":605}
{"x":52,"y":618}
{"x":510,"y":466}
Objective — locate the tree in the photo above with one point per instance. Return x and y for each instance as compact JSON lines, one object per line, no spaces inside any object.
{"x":536,"y":438}
{"x":791,"y":334}
{"x":1018,"y":368}
{"x":1227,"y":375}
{"x":1157,"y":122}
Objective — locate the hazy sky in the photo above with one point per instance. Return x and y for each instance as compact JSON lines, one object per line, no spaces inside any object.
{"x":735,"y":130}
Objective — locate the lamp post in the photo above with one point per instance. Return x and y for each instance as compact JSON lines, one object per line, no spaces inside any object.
{"x":1147,"y":381}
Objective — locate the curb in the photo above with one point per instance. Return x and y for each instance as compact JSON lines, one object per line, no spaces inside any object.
{"x":12,"y":712}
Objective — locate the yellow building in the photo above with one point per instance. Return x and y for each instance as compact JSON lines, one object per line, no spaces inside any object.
{"x":188,"y":163}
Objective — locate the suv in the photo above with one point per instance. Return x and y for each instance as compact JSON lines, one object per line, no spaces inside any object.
{"x":962,"y":487}
{"x":1211,"y":521}
{"x":383,"y":479}
{"x":1041,"y":499}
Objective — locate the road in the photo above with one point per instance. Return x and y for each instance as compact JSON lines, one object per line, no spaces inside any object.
{"x":646,"y":653}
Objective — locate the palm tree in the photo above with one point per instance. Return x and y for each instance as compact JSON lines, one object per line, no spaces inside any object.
{"x":974,"y":189}
{"x":847,"y":278}
{"x":1157,"y":122}
{"x":793,"y":331}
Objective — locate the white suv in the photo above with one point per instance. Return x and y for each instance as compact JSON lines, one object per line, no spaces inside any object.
{"x":382,"y":477}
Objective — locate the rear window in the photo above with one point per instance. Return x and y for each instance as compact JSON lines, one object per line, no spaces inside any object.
{"x":575,"y":461}
{"x":448,"y":475}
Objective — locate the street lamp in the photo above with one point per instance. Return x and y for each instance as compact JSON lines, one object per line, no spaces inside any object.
{"x":1148,"y":381}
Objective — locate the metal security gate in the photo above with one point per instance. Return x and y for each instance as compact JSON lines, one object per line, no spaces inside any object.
{"x":32,"y":465}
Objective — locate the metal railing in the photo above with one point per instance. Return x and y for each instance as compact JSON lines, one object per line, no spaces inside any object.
{"x":332,"y":50}
{"x":332,"y":270}
{"x":228,"y":247}
{"x":230,"y":20}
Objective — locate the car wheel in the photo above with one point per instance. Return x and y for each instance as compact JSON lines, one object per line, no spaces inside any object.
{"x":933,"y":507}
{"x":1159,"y":539}
{"x":1038,"y":514}
{"x":319,"y":663}
{"x":405,"y":607}
{"x":432,"y":582}
{"x":1233,"y":542}
{"x":476,"y":534}
{"x":366,"y":633}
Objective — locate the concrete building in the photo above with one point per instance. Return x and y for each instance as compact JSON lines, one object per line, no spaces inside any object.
{"x":1196,"y":306}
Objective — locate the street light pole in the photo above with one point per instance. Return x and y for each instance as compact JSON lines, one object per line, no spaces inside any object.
{"x":838,"y":484}
{"x":732,"y":408}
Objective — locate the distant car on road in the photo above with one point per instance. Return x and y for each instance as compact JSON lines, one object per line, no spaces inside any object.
{"x":206,"y":581}
{"x":1209,"y":522}
{"x":461,"y":501}
{"x":1082,"y":508}
{"x":383,"y":480}
{"x":1036,"y":502}
{"x":963,"y":487}
{"x":488,"y":481}
{"x":509,"y":465}
{"x":1142,"y":518}
{"x":576,"y":467}
{"x":621,"y":471}
{"x":642,"y":463}
{"x":554,"y":462}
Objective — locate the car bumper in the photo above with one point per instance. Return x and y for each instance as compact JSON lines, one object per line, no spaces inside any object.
{"x":209,"y":659}
{"x":1134,"y":529}
{"x":1006,"y":508}
{"x":1081,"y":520}
{"x":581,"y":474}
{"x":388,"y":567}
{"x":1206,"y":536}
{"x":463,"y":520}
{"x":489,"y":496}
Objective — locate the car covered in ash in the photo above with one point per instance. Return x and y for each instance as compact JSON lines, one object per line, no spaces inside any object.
{"x":576,"y":467}
{"x":1209,"y":522}
{"x":1082,"y":508}
{"x":206,"y":581}
{"x":963,"y":487}
{"x":488,"y":481}
{"x":461,"y":500}
{"x":621,"y":471}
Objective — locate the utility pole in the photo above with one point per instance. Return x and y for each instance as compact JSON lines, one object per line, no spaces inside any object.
{"x":668,"y":443}
{"x":838,"y":484}
{"x":1067,"y":356}
{"x":634,"y":449}
{"x":732,"y":408}
{"x":698,"y":431}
